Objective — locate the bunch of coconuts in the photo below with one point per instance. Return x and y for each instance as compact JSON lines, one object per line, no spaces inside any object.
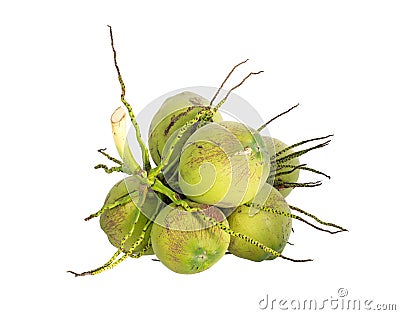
{"x":214,"y":187}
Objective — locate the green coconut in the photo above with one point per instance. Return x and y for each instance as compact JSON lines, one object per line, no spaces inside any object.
{"x":116,"y":222}
{"x":223,"y":164}
{"x":184,"y":242}
{"x":272,"y":230}
{"x":173,"y":114}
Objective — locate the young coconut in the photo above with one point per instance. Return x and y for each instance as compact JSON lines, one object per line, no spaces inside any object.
{"x":173,"y":114}
{"x":223,"y":164}
{"x":186,"y":243}
{"x":117,"y":221}
{"x":271,"y":229}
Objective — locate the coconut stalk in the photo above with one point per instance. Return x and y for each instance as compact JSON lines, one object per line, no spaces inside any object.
{"x":118,"y":125}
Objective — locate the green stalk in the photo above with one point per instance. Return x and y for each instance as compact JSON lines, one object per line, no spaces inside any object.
{"x":172,"y":195}
{"x":145,"y":152}
{"x":165,"y":159}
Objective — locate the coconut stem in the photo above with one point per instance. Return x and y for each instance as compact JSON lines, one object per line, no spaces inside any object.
{"x":300,"y":143}
{"x":249,"y":239}
{"x":277,"y":116}
{"x":215,"y":108}
{"x":301,"y":167}
{"x":296,"y":260}
{"x":107,"y":169}
{"x":279,"y":184}
{"x":173,"y":196}
{"x":130,"y":251}
{"x":112,"y":262}
{"x":109,"y":156}
{"x":298,"y":153}
{"x":317,"y":219}
{"x":145,"y":152}
{"x":131,"y":230}
{"x":123,"y":241}
{"x":274,"y":173}
{"x":226,"y":79}
{"x":120,"y":202}
{"x":296,"y":217}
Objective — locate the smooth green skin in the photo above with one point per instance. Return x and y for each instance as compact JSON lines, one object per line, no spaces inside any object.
{"x":116,"y":222}
{"x":178,"y":110}
{"x":223,"y":164}
{"x":289,"y":178}
{"x":270,"y":229}
{"x":185,"y":243}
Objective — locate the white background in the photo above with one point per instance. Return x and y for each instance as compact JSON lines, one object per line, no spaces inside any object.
{"x":339,"y":59}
